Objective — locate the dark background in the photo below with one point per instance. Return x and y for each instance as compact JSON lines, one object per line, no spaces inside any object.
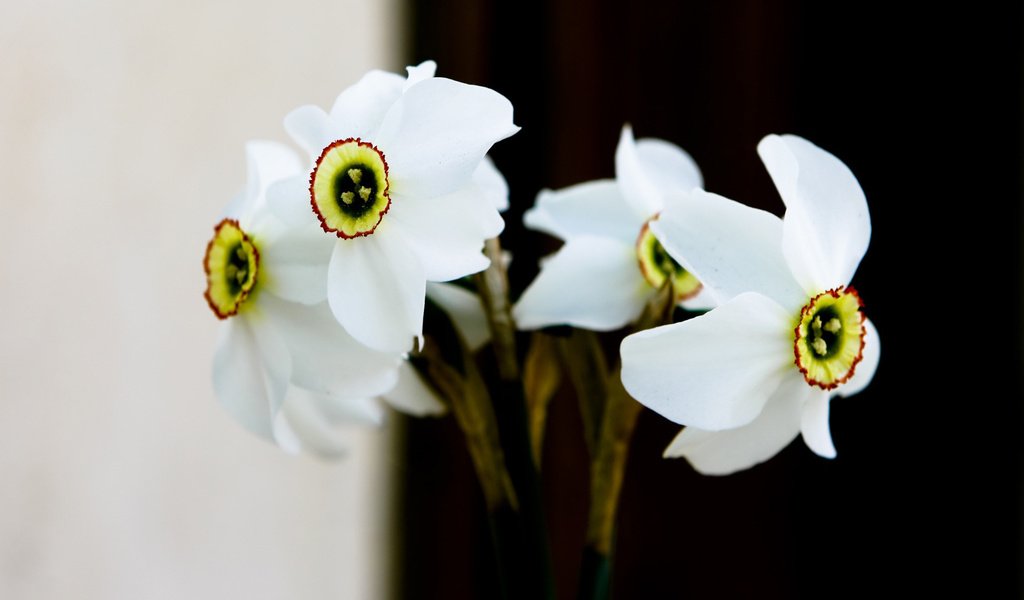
{"x":925,"y":108}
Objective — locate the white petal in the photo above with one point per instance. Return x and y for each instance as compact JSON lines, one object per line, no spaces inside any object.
{"x":827,"y":225}
{"x":274,"y":354}
{"x":814,"y":425}
{"x":359,"y":109}
{"x":238,"y":206}
{"x":424,"y":70}
{"x":591,"y":282}
{"x":321,"y":424}
{"x":447,"y":232}
{"x":288,"y":200}
{"x":868,"y":364}
{"x":591,"y":208}
{"x":238,"y":379}
{"x":704,"y":300}
{"x":312,"y":129}
{"x":725,"y":452}
{"x":269,"y":162}
{"x":302,"y":427}
{"x":437,"y":133}
{"x":714,"y":371}
{"x":376,"y":290}
{"x":466,"y":311}
{"x":492,"y":183}
{"x":325,"y":357}
{"x":293,"y":263}
{"x":641,"y":192}
{"x":412,"y":395}
{"x":668,"y":166}
{"x":731,"y":248}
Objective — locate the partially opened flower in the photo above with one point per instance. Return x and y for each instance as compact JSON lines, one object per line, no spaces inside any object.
{"x":760,"y":369}
{"x":278,"y":360}
{"x":394,"y":183}
{"x":611,"y":262}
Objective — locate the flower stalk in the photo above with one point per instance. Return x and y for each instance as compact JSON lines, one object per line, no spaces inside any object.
{"x":608,"y":462}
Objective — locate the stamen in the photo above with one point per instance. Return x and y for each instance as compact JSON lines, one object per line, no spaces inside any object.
{"x":355,"y":175}
{"x":348,"y":197}
{"x":820,"y":346}
{"x":833,"y":325}
{"x":364,"y":193}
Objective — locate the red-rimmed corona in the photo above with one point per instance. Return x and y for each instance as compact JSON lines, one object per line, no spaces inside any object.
{"x":231,"y":263}
{"x":348,"y":188}
{"x":829,"y":339}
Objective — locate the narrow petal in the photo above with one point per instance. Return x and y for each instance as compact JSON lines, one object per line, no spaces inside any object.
{"x":325,"y":357}
{"x":731,"y":248}
{"x":447,"y":232}
{"x":238,"y":379}
{"x":591,"y":282}
{"x":868,"y":364}
{"x":492,"y":184}
{"x":466,"y":311}
{"x":827,"y":226}
{"x":814,"y":424}
{"x":412,"y":396}
{"x":639,"y":189}
{"x":714,"y":371}
{"x":360,"y":109}
{"x":312,"y":129}
{"x":376,"y":290}
{"x":591,"y":208}
{"x":437,"y":133}
{"x":726,"y":452}
{"x":288,"y":200}
{"x":668,"y":166}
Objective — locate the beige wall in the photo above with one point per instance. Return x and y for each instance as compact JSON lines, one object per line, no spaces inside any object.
{"x":122,"y":126}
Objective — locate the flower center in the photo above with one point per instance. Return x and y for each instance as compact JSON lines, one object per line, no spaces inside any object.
{"x":349,"y":188}
{"x":657,"y":265}
{"x":231,"y":264}
{"x":829,"y":338}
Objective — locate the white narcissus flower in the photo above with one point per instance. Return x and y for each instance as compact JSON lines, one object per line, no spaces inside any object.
{"x":286,"y":370}
{"x":611,"y":262}
{"x":760,"y":369}
{"x":396,"y":183}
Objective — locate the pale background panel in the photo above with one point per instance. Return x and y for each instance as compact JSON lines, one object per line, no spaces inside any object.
{"x":122,"y":126}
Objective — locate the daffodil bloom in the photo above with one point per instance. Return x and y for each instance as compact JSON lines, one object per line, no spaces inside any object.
{"x":611,"y":262}
{"x":394,"y":183}
{"x":283,"y":368}
{"x":788,"y":334}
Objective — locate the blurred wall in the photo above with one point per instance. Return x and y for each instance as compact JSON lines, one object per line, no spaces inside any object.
{"x":122,"y":125}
